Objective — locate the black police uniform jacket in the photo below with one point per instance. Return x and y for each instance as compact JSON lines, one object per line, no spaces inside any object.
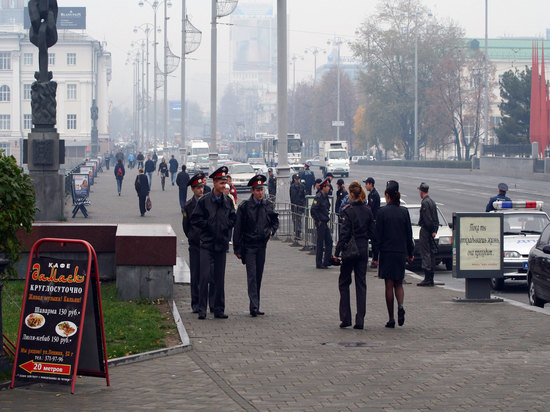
{"x":428,"y":216}
{"x":297,"y":194}
{"x":374,"y":202}
{"x":320,"y":210}
{"x":214,"y":218}
{"x":357,"y":221}
{"x":272,"y":185}
{"x":256,"y":222}
{"x":192,"y":232}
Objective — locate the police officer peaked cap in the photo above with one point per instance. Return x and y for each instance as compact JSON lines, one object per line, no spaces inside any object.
{"x":257,"y":181}
{"x":295,"y":176}
{"x":503,"y":187}
{"x":324,"y":183}
{"x":392,"y":186}
{"x":220,"y":173}
{"x":198,"y":179}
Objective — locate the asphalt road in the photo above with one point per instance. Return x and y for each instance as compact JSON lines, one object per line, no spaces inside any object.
{"x":455,"y":190}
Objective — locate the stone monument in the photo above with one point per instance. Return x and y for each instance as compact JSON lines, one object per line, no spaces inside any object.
{"x":44,"y":150}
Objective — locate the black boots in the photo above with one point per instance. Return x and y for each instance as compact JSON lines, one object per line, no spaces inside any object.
{"x":428,"y":279}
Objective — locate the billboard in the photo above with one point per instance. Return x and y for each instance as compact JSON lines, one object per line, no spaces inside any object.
{"x":68,"y":18}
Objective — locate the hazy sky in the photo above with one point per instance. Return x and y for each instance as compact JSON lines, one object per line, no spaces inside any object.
{"x":311,"y":23}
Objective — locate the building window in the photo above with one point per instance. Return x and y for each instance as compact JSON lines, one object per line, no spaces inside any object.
{"x":27,"y":59}
{"x":27,"y":121}
{"x":5,"y":61}
{"x":27,"y":92}
{"x":4,"y":93}
{"x":6,"y":148}
{"x":51,"y":59}
{"x":71,"y":59}
{"x":5,"y":123}
{"x":71,"y":122}
{"x":71,"y":92}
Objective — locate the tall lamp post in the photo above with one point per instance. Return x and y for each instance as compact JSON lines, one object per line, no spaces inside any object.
{"x":146,"y":28}
{"x":486,"y":105}
{"x":220,"y":8}
{"x":337,"y":41}
{"x":416,"y":86}
{"x":315,"y":51}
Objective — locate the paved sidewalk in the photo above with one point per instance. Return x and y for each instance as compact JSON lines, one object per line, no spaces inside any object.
{"x":447,"y":356}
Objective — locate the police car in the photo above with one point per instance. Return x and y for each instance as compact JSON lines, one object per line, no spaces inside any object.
{"x":523,"y":224}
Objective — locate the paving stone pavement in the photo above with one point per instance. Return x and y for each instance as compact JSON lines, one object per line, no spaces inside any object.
{"x":447,"y":356}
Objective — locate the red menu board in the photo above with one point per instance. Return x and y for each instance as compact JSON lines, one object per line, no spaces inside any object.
{"x":61,"y":328}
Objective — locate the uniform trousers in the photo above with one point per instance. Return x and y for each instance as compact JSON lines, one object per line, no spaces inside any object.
{"x":255,"y":260}
{"x":324,"y":244}
{"x":194,"y":268}
{"x":359,"y":268}
{"x":183,"y":197}
{"x":428,"y":249}
{"x":297,"y":213}
{"x":212,"y":269}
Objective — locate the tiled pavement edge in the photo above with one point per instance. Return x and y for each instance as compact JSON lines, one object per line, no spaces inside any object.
{"x":448,"y":356}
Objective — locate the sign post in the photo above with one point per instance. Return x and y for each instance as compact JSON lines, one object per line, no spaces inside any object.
{"x":61,"y":331}
{"x":477,"y":253}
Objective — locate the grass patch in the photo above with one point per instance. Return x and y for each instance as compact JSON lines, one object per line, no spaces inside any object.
{"x":130,"y":327}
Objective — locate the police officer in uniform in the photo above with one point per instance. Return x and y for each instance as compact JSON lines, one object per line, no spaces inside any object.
{"x":214,"y":216}
{"x":308,"y":177}
{"x":193,"y":236}
{"x":297,"y":204}
{"x":429,"y":224}
{"x":373,"y":199}
{"x":272,"y":185}
{"x":256,"y":222}
{"x":320,"y":212}
{"x":502,"y":189}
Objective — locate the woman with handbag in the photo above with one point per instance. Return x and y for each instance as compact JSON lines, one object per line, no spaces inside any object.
{"x":356,"y":230}
{"x":142,"y":188}
{"x":396,"y":245}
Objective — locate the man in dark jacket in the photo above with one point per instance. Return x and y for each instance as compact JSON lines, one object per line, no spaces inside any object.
{"x":256,"y":222}
{"x":429,"y":224}
{"x":149,"y":170}
{"x":140,"y":159}
{"x":272,"y":185}
{"x":373,"y":199}
{"x":297,"y":204}
{"x":502,"y":189}
{"x":320,"y":212}
{"x":142,"y":188}
{"x":182,"y":180}
{"x":173,"y":168}
{"x":214,"y":216}
{"x":193,"y":237}
{"x":308,"y":177}
{"x":119,"y":174}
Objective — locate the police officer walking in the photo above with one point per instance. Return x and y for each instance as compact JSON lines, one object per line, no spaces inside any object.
{"x":297,"y":204}
{"x":429,"y":224}
{"x":193,"y":236}
{"x":502,"y":189}
{"x":320,"y":212}
{"x":308,"y":177}
{"x":256,"y":222}
{"x":272,"y":185}
{"x":214,"y":215}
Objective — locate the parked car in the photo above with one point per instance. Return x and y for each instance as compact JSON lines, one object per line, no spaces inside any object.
{"x":538,"y":275}
{"x":523,"y":224}
{"x":241,"y":173}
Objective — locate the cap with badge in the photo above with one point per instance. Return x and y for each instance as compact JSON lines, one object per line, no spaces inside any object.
{"x":295,"y":176}
{"x":503,"y":187}
{"x":392,"y":186}
{"x":220,"y":173}
{"x":369,"y":180}
{"x":257,"y":181}
{"x":199,"y":179}
{"x":324,"y":183}
{"x":423,"y":187}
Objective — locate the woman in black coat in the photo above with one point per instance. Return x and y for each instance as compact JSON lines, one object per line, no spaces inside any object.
{"x":357,"y":222}
{"x":395,"y":245}
{"x":142,"y":189}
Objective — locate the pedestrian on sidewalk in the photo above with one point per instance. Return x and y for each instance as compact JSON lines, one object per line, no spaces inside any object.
{"x":182,"y":180}
{"x":119,"y":174}
{"x":320,"y":212}
{"x":256,"y":222}
{"x":173,"y":168}
{"x":142,"y":188}
{"x":232,"y":189}
{"x":297,"y":204}
{"x":272,"y":185}
{"x":163,"y":172}
{"x":155,"y":158}
{"x":214,"y":215}
{"x":357,"y":223}
{"x":395,"y":246}
{"x":107,"y":157}
{"x":140,"y":159}
{"x":193,"y":236}
{"x":149,"y":169}
{"x":429,"y":224}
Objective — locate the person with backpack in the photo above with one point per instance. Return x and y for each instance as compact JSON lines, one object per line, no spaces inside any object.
{"x":119,"y":174}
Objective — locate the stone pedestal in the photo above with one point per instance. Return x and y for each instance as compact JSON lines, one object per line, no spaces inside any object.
{"x":43,"y":158}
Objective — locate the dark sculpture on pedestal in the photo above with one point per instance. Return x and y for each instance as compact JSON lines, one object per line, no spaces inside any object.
{"x":43,"y":34}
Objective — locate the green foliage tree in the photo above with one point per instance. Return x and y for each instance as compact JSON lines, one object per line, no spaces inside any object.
{"x":515,"y":107}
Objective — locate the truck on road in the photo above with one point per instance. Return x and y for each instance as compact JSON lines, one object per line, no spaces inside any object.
{"x":334,"y":157}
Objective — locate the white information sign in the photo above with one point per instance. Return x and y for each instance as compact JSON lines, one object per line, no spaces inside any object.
{"x":479,"y":243}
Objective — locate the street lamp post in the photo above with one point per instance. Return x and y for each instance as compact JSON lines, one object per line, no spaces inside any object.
{"x":315,"y":51}
{"x":337,"y":42}
{"x":415,"y":155}
{"x":146,"y":28}
{"x":486,"y":106}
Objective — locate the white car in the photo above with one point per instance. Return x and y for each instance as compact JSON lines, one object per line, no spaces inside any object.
{"x":523,"y":224}
{"x":241,"y":173}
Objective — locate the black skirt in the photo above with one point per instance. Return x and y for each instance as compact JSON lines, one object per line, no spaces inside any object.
{"x":392,"y":266}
